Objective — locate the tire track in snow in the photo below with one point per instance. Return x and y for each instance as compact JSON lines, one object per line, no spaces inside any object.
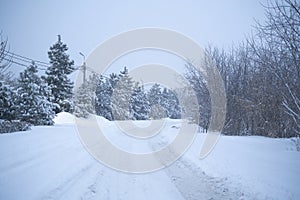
{"x":65,"y":185}
{"x":35,"y":158}
{"x":193,"y":183}
{"x":93,"y":187}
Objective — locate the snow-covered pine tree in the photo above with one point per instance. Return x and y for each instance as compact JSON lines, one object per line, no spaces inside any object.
{"x":170,"y":102}
{"x":154,"y":94}
{"x":7,"y":102}
{"x":175,"y":108}
{"x":57,"y":76}
{"x":32,"y":103}
{"x":92,"y":86}
{"x":164,"y":101}
{"x":8,"y":118}
{"x":84,"y":97}
{"x":113,"y":79}
{"x":139,"y":104}
{"x":121,"y":96}
{"x":82,"y":101}
{"x":46,"y":110}
{"x":157,"y":110}
{"x":103,"y":98}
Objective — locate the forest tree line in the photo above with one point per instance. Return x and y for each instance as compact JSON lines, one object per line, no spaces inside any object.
{"x":119,"y":97}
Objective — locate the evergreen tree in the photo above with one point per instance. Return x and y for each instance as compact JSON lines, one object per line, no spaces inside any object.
{"x":157,"y":110}
{"x":82,"y":101}
{"x":139,"y":104}
{"x":121,"y":96}
{"x":32,"y":103}
{"x":154,"y":94}
{"x":57,"y":76}
{"x":170,"y":103}
{"x":7,"y":102}
{"x":92,"y":86}
{"x":113,"y":80}
{"x":84,"y":98}
{"x":103,"y":98}
{"x":8,"y":116}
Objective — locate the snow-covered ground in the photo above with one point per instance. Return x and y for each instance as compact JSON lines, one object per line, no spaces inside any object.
{"x":51,"y":163}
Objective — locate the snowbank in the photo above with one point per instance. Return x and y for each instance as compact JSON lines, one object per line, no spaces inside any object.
{"x":64,"y":118}
{"x":267,"y":168}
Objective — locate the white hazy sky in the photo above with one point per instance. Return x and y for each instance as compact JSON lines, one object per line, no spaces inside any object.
{"x":32,"y":26}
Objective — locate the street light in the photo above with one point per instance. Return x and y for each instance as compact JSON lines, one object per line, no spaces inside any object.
{"x":82,"y":56}
{"x":83,"y":67}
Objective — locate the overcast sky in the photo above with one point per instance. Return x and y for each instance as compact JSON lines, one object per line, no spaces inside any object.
{"x":32,"y":26}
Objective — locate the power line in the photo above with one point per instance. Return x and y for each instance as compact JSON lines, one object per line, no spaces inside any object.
{"x":27,"y":61}
{"x":26,"y":58}
{"x":83,"y":67}
{"x":21,"y":64}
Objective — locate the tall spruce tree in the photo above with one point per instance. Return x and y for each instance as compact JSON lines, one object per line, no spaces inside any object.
{"x":32,"y":103}
{"x":57,"y":76}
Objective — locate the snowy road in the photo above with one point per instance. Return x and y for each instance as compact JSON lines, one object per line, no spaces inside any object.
{"x":51,"y":163}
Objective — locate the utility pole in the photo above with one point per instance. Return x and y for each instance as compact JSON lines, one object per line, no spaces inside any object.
{"x":83,"y":67}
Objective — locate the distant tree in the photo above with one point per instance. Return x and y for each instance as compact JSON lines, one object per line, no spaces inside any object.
{"x":154,"y":94}
{"x":170,"y":102}
{"x":57,"y":76}
{"x":92,"y":86}
{"x":189,"y":106}
{"x":157,"y":111}
{"x":103,"y":98}
{"x":139,"y":104}
{"x":84,"y":97}
{"x":121,"y":96}
{"x":32,"y":104}
{"x":82,"y":101}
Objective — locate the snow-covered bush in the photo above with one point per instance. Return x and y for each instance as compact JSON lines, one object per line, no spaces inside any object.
{"x":32,"y":104}
{"x":7,"y":96}
{"x":13,"y":126}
